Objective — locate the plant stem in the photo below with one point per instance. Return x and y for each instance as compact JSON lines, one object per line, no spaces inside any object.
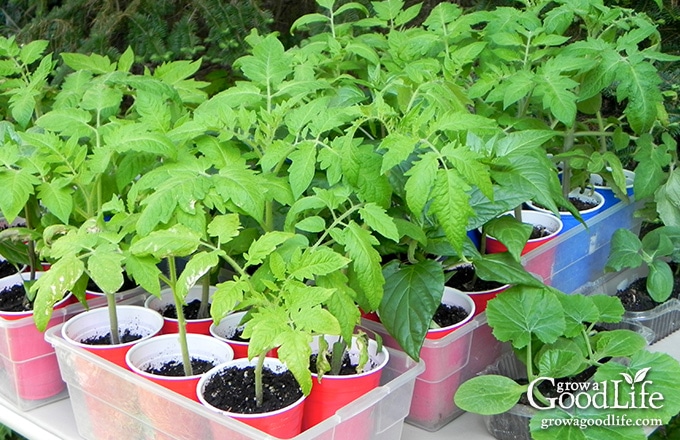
{"x":181,"y":320}
{"x":203,"y":312}
{"x":113,"y":318}
{"x":566,"y":169}
{"x":258,"y":378}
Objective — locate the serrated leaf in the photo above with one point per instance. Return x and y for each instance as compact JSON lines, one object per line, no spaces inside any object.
{"x":294,"y":351}
{"x":412,"y":295}
{"x":145,"y":272}
{"x":578,"y":310}
{"x":378,"y":219}
{"x":17,"y":188}
{"x":625,"y":250}
{"x":105,"y":268}
{"x":176,"y":241}
{"x":30,"y":52}
{"x":198,"y":266}
{"x":399,"y":147}
{"x":57,"y":198}
{"x":559,"y":363}
{"x":615,"y":343}
{"x":52,"y":286}
{"x":226,"y":297}
{"x":268,"y":65}
{"x":421,"y":180}
{"x":224,"y":227}
{"x":301,"y":171}
{"x":450,"y":203}
{"x":265,"y":245}
{"x":321,"y":261}
{"x":522,"y":313}
{"x":69,"y":122}
{"x":609,"y":308}
{"x":365,"y":262}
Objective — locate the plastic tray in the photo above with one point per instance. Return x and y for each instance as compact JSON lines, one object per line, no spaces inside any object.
{"x":110,"y":402}
{"x":449,"y":362}
{"x":662,"y":320}
{"x":578,"y":256}
{"x":30,"y":379}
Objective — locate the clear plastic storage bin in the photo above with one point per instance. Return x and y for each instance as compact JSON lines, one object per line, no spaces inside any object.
{"x":29,"y":372}
{"x":110,"y":402}
{"x":449,"y":362}
{"x":579,"y":256}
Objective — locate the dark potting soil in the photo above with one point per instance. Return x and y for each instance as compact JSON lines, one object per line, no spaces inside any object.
{"x":125,"y":337}
{"x":190,"y":310}
{"x":579,"y":204}
{"x":635,"y":297}
{"x":447,"y":315}
{"x":13,"y":299}
{"x":233,"y":390}
{"x":463,"y":278}
{"x":347,"y":368}
{"x":176,"y":368}
{"x":539,"y":231}
{"x":7,"y":269}
{"x":237,"y":336}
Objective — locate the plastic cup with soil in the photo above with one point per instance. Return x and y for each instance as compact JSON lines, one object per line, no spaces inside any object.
{"x":229,"y":389}
{"x":344,"y":384}
{"x":462,"y":277}
{"x":165,"y":305}
{"x":588,"y":203}
{"x":91,"y":330}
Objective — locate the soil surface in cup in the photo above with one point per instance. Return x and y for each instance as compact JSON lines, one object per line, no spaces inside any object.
{"x":126,"y":336}
{"x":237,"y":335}
{"x":447,"y":315}
{"x":190,"y":310}
{"x":463,"y":278}
{"x":233,"y":390}
{"x":13,"y":299}
{"x":635,"y":297}
{"x":175,"y":368}
{"x":539,"y":231}
{"x":579,"y":203}
{"x":7,"y":269}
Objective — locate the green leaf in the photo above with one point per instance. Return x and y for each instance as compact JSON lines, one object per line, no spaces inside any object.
{"x":378,"y":219}
{"x":226,"y":297}
{"x":22,"y":105}
{"x":294,"y":351}
{"x":421,"y":180}
{"x":521,"y":313}
{"x":320,"y":261}
{"x":69,"y":122}
{"x":311,"y":224}
{"x":511,"y":232}
{"x":615,"y":343}
{"x":52,"y":286}
{"x":265,"y":245}
{"x":57,"y":198}
{"x":639,"y":83}
{"x":412,"y":294}
{"x":269,"y":64}
{"x":135,"y":137}
{"x":399,"y":147}
{"x":609,"y":308}
{"x":176,"y":241}
{"x":105,"y":268}
{"x":470,"y":166}
{"x":660,"y":281}
{"x":361,"y":167}
{"x":578,"y":310}
{"x":30,"y":52}
{"x":198,"y":266}
{"x":17,"y":188}
{"x":93,"y":62}
{"x":450,"y":203}
{"x":341,"y":304}
{"x":502,"y":267}
{"x":365,"y":261}
{"x":488,"y":394}
{"x":145,"y":272}
{"x":559,"y":363}
{"x":243,"y":187}
{"x":302,"y":169}
{"x":521,"y":141}
{"x":224,"y":227}
{"x":625,"y":250}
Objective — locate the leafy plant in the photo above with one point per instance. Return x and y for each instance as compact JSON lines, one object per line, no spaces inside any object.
{"x":654,"y":251}
{"x":555,"y":336}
